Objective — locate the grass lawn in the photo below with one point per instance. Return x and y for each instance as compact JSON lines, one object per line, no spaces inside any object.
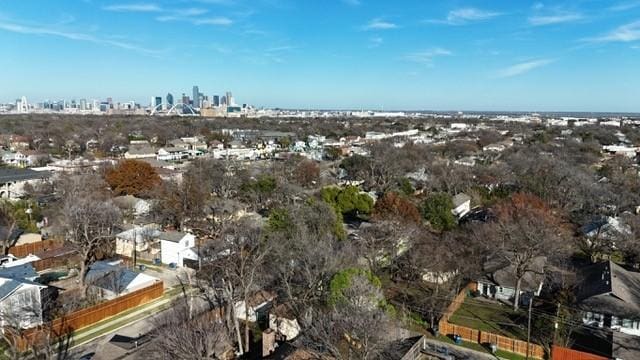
{"x":496,"y":318}
{"x":477,"y":347}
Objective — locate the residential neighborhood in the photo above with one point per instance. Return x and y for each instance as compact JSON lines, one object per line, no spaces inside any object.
{"x":321,"y":239}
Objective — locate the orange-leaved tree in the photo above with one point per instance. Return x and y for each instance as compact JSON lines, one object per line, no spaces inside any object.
{"x":395,"y":206}
{"x":132,"y":177}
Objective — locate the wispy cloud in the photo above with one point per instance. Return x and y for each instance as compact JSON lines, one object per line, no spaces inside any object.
{"x":217,"y":20}
{"x":465,"y":15}
{"x":522,"y":68}
{"x":42,"y":30}
{"x":379,"y":24}
{"x":624,"y":6}
{"x":557,"y":18}
{"x":625,"y":33}
{"x":426,"y":57}
{"x":193,"y":12}
{"x":136,"y":7}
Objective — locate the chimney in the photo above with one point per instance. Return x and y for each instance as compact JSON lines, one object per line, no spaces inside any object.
{"x":268,"y":342}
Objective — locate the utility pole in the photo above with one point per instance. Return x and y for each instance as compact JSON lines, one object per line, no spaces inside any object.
{"x":556,"y":325}
{"x":529,"y":325}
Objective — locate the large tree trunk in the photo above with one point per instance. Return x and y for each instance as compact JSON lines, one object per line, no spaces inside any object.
{"x":516,"y":300}
{"x":246,"y":323}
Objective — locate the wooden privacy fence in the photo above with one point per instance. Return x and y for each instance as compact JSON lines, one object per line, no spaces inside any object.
{"x":562,"y":353}
{"x":36,"y":247}
{"x":483,"y":337}
{"x":458,"y":300}
{"x":91,"y":315}
{"x":54,"y":262}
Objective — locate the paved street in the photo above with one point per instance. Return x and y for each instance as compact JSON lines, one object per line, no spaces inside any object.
{"x":134,"y":325}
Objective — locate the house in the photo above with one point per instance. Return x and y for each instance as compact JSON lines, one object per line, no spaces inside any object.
{"x":142,"y":236}
{"x":609,"y":296}
{"x":13,"y":181}
{"x":109,"y":279}
{"x":461,"y":205}
{"x":176,"y":247}
{"x":21,"y":298}
{"x":9,"y":260}
{"x":258,"y":307}
{"x":132,"y":205}
{"x":140,"y":152}
{"x":17,"y":159}
{"x":171,"y":154}
{"x":284,"y":323}
{"x":499,"y":281}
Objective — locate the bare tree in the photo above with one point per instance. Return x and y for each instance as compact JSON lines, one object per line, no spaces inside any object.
{"x":525,"y":230}
{"x":8,"y":225}
{"x":178,"y":335}
{"x":89,"y":226}
{"x":234,"y":270}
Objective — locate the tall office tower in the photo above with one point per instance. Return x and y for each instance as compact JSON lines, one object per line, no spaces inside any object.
{"x":169,"y":100}
{"x":83,"y":104}
{"x":196,"y":96}
{"x":230,"y":101}
{"x":22,"y":105}
{"x":185,"y":99}
{"x":216,"y":100}
{"x":223,"y":100}
{"x":158,"y":102}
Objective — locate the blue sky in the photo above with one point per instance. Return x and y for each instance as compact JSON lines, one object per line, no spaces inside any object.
{"x":412,"y":54}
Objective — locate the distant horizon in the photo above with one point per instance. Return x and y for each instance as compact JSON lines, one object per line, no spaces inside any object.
{"x":143,"y":103}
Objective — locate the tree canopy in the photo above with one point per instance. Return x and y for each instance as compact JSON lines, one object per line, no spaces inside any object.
{"x":132,"y":177}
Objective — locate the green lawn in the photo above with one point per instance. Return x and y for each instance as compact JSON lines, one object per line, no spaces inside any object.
{"x":496,"y":318}
{"x":477,"y":347}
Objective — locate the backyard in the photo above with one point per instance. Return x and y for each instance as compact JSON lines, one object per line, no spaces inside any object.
{"x":490,"y":316}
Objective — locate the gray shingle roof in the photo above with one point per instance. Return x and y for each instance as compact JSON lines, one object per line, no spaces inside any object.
{"x":19,"y":272}
{"x":500,"y":272}
{"x":174,"y":236}
{"x":8,"y":288}
{"x":609,"y":288}
{"x":16,"y":174}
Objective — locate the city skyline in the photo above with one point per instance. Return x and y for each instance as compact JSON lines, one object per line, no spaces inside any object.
{"x":520,"y":55}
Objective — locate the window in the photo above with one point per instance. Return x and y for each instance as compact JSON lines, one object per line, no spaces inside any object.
{"x":615,"y":321}
{"x":626,"y":323}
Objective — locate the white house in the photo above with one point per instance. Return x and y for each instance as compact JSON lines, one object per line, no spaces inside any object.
{"x":461,"y":205}
{"x":284,"y":323}
{"x":135,"y":206}
{"x":140,"y":152}
{"x":109,"y":279}
{"x":175,"y":247}
{"x":171,"y":154}
{"x":259,"y":305}
{"x":13,"y":181}
{"x":20,"y":297}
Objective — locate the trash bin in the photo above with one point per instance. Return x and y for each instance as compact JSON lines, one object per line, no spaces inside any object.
{"x":457,"y":339}
{"x":156,"y":261}
{"x":142,"y":267}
